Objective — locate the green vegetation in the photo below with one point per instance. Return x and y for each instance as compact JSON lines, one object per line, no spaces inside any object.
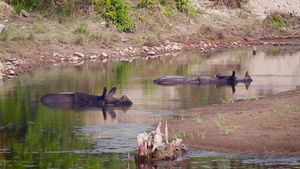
{"x":4,"y":34}
{"x":220,"y":123}
{"x":116,"y":12}
{"x":183,"y":5}
{"x":198,"y":119}
{"x":257,"y":96}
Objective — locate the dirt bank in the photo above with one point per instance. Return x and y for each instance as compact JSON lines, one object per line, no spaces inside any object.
{"x":261,"y":125}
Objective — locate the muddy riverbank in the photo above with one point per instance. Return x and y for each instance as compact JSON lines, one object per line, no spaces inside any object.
{"x":267,"y":125}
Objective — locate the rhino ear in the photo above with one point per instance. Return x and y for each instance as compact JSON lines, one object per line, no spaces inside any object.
{"x":104,"y":91}
{"x":247,"y":74}
{"x":112,"y":91}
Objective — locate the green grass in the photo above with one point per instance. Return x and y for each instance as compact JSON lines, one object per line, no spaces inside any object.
{"x":81,"y":29}
{"x":202,"y":133}
{"x":176,"y":135}
{"x":198,"y":119}
{"x":220,"y":123}
{"x":257,"y":96}
{"x":4,"y":36}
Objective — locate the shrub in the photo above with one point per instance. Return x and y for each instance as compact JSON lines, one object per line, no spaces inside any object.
{"x":145,"y":4}
{"x":182,"y":5}
{"x":115,"y":11}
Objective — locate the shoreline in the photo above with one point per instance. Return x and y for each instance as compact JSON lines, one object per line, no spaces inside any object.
{"x":12,"y":66}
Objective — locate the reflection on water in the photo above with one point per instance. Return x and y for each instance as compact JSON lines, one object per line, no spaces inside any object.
{"x":32,"y":135}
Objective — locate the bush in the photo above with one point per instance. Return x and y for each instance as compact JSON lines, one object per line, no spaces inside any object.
{"x":183,"y":5}
{"x":145,"y":4}
{"x":115,"y":11}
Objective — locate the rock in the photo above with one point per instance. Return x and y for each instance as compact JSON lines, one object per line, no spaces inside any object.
{"x":24,"y":13}
{"x":1,"y":27}
{"x":93,"y":57}
{"x":74,"y":58}
{"x":5,"y":21}
{"x":151,"y":53}
{"x":104,"y":54}
{"x":12,"y":72}
{"x":78,"y":54}
{"x":145,"y":48}
{"x":1,"y":66}
{"x":104,"y":60}
{"x":56,"y":54}
{"x":121,"y":53}
{"x":167,"y":42}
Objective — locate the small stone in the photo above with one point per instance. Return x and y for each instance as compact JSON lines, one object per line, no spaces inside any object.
{"x":104,"y":60}
{"x":12,"y":72}
{"x":56,"y":54}
{"x":130,"y":48}
{"x":151,"y":53}
{"x":5,"y":21}
{"x":93,"y":57}
{"x":74,"y":58}
{"x":104,"y":54}
{"x":24,"y":13}
{"x":1,"y":27}
{"x":62,"y":59}
{"x":1,"y":66}
{"x":145,"y":48}
{"x":78,"y":54}
{"x":167,"y":42}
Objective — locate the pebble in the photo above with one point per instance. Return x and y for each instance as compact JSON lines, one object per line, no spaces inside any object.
{"x":151,"y":53}
{"x":78,"y":54}
{"x":1,"y":66}
{"x":1,"y":27}
{"x":93,"y":57}
{"x":24,"y":13}
{"x":104,"y":54}
{"x":145,"y":48}
{"x":74,"y":58}
{"x":12,"y":72}
{"x":56,"y":54}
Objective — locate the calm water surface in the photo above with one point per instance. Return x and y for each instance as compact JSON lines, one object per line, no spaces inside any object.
{"x":35,"y":136}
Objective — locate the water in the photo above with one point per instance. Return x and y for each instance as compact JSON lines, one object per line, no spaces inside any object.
{"x":35,"y":136}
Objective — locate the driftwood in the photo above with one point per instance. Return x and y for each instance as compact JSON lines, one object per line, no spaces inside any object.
{"x":148,"y":144}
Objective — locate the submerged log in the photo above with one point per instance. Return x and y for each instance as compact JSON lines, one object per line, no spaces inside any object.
{"x":148,"y":144}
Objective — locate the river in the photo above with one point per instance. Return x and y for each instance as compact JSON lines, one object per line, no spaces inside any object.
{"x":35,"y":136}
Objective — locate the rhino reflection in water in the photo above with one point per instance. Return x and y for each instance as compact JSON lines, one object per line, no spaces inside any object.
{"x":82,"y":101}
{"x":220,"y":80}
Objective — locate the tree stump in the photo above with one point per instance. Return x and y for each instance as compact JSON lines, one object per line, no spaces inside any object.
{"x":148,"y":144}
